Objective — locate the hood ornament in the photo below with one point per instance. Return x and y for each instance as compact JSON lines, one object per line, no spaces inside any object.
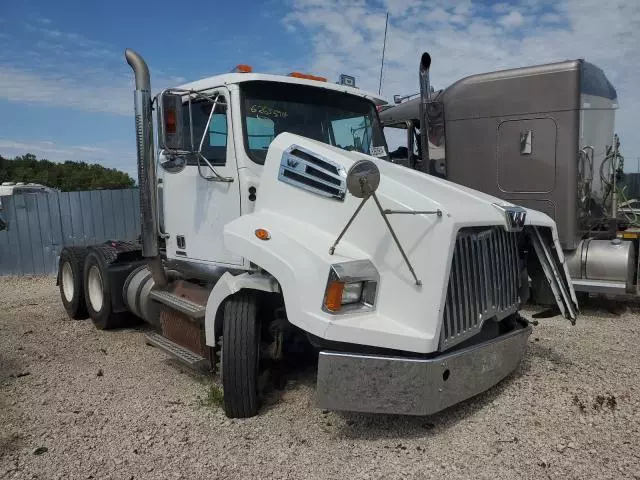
{"x":363,"y":179}
{"x":515,"y":217}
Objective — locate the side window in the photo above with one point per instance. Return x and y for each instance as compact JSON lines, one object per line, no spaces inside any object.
{"x":396,"y":136}
{"x":214,"y":147}
{"x":218,"y":130}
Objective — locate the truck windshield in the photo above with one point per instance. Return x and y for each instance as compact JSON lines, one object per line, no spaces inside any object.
{"x":346,"y":121}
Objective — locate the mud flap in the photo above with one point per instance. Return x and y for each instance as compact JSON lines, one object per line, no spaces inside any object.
{"x":556,"y":272}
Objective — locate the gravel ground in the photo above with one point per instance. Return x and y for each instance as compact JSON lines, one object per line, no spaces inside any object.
{"x":79,"y":403}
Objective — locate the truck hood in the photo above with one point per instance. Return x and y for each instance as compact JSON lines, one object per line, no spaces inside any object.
{"x":302,"y":202}
{"x":404,"y":186}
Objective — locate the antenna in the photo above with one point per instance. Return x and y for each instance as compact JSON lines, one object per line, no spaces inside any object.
{"x":384,"y":46}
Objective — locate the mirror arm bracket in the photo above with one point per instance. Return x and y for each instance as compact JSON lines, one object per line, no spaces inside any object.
{"x":437,"y":212}
{"x":384,"y":214}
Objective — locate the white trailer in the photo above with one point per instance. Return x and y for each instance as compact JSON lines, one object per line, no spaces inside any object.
{"x":271,"y":213}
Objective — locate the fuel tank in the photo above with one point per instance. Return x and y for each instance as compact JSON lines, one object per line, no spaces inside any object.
{"x":603,"y":260}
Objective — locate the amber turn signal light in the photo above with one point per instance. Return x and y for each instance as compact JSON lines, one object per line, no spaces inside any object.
{"x":333,"y":297}
{"x":262,"y":234}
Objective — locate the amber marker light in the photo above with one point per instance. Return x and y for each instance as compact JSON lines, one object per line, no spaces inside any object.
{"x":262,"y":234}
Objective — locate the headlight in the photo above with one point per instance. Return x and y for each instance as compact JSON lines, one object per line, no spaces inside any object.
{"x":352,"y":292}
{"x":351,"y":286}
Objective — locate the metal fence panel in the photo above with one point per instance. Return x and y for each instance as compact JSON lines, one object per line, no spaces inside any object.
{"x":96,"y":214}
{"x":107,"y":212}
{"x":40,"y":226}
{"x":87,"y":218}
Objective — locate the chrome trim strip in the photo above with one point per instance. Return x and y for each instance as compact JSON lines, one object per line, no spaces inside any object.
{"x":599,"y":286}
{"x":356,"y":270}
{"x":201,"y":270}
{"x":299,"y":166}
{"x":412,"y":386}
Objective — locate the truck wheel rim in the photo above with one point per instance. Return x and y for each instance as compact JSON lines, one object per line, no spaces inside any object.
{"x":94,"y":286}
{"x":67,"y":282}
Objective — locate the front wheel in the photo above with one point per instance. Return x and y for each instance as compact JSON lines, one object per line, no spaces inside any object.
{"x":241,"y":355}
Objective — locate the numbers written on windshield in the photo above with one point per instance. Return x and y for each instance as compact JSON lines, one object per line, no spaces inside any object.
{"x":268,"y":111}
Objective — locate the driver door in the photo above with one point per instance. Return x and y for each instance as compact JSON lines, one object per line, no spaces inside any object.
{"x":196,"y":209}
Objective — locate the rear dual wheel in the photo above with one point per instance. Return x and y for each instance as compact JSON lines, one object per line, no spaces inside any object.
{"x":97,"y":292}
{"x":70,"y":279}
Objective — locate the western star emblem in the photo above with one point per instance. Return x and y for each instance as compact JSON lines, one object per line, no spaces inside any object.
{"x":292,"y":163}
{"x":515,"y":217}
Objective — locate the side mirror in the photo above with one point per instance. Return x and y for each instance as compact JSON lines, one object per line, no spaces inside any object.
{"x":397,"y":99}
{"x":170,"y":123}
{"x":363,"y":178}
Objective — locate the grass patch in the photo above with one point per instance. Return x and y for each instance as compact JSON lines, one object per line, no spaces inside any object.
{"x":214,"y":398}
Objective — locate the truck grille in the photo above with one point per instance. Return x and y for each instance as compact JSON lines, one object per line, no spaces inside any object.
{"x":483,"y":283}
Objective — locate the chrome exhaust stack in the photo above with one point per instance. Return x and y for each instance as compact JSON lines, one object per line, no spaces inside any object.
{"x":425,"y":92}
{"x":146,"y":167}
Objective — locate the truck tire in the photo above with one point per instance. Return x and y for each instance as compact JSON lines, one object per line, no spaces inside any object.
{"x":240,"y":355}
{"x":97,"y":292}
{"x":70,"y":281}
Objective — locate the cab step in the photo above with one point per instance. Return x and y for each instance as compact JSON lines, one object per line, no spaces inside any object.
{"x":191,"y":309}
{"x":186,"y":356}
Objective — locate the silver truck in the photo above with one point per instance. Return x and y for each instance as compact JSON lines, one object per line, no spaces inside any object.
{"x":541,"y":137}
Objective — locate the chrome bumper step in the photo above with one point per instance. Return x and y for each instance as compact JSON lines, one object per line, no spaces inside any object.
{"x":191,"y":309}
{"x":186,"y":356}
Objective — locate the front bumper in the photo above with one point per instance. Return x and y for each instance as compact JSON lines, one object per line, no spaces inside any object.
{"x":410,"y":386}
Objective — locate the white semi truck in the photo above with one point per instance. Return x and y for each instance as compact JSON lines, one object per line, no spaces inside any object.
{"x":269,"y":213}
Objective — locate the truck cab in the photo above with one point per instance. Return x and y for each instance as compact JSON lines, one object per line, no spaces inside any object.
{"x":242,"y":114}
{"x":271,"y":218}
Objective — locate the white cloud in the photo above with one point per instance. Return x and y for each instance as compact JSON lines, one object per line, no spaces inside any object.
{"x":501,"y":7}
{"x":66,"y":69}
{"x":437,"y":15}
{"x":71,"y":42}
{"x":401,"y":7}
{"x":548,"y":31}
{"x":551,"y":18}
{"x":512,"y":20}
{"x":463,"y":8}
{"x":89,"y":93}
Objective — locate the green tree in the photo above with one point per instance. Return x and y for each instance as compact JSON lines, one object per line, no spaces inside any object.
{"x":67,"y":176}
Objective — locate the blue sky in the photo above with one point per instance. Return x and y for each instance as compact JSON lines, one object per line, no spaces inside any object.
{"x":66,"y":92}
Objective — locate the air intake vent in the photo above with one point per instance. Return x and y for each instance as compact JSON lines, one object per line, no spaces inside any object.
{"x":303,"y":169}
{"x":316,"y":161}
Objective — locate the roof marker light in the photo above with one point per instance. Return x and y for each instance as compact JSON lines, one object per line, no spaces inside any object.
{"x":242,"y":68}
{"x":307,"y":76}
